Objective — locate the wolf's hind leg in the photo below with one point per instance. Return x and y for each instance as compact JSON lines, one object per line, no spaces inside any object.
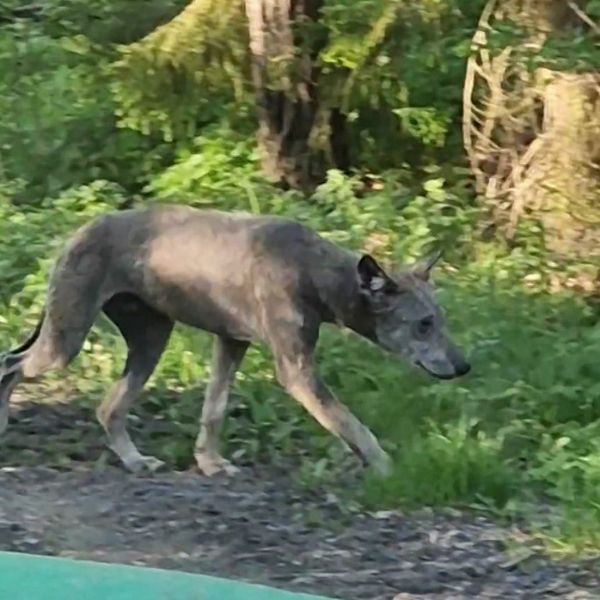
{"x":146,"y":332}
{"x":7,"y":385}
{"x":9,"y":380}
{"x":54,"y":344}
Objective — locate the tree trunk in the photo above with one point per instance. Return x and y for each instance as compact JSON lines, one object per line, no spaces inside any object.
{"x":562,"y":181}
{"x":533,"y":138}
{"x":298,"y":137}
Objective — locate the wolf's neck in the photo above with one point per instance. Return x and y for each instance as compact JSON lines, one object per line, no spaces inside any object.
{"x":339,"y":291}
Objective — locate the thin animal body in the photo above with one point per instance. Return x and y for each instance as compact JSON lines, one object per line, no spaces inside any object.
{"x":245,"y":279}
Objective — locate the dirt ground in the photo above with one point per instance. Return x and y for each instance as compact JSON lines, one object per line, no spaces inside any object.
{"x":260,"y":527}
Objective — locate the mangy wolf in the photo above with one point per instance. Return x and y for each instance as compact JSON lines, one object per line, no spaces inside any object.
{"x":243,"y":278}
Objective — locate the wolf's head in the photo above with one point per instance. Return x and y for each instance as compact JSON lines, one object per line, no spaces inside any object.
{"x":407,"y":320}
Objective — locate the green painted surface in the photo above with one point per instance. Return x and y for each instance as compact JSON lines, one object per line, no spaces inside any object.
{"x":27,"y":577}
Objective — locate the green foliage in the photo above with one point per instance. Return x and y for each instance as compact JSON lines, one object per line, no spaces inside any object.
{"x":57,"y":125}
{"x":381,"y":61}
{"x":565,"y":49}
{"x":184,"y":74}
{"x":445,"y":465}
{"x":377,"y":65}
{"x":403,"y":218}
{"x":219,"y":150}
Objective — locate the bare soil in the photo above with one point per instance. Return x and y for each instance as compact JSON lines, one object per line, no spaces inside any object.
{"x":59,"y":496}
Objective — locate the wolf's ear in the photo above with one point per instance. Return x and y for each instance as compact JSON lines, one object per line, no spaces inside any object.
{"x":422,"y":268}
{"x":372,"y":279}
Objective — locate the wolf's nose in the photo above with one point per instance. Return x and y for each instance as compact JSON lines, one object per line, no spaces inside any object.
{"x":462,"y":368}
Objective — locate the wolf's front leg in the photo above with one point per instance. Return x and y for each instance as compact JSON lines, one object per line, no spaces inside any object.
{"x":227,"y":356}
{"x":298,"y":376}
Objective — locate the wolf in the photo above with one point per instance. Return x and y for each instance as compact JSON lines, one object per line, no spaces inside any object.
{"x":245,"y":279}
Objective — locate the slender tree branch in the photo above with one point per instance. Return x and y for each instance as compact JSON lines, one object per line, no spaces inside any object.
{"x":584,"y":17}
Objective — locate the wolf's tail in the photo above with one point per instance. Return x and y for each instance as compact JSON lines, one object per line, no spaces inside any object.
{"x":11,"y":360}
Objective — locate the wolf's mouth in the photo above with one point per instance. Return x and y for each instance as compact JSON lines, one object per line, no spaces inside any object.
{"x":433,"y":373}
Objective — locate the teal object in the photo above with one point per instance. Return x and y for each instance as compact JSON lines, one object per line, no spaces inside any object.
{"x":28,"y":577}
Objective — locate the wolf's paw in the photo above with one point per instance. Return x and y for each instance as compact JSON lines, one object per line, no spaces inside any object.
{"x":143,"y":464}
{"x":383,"y":465}
{"x":3,"y":419}
{"x":212,"y":464}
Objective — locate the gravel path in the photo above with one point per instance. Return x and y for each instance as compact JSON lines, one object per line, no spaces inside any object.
{"x":259,"y":527}
{"x":255,"y":527}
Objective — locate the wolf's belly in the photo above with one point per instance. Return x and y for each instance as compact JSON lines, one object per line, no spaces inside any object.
{"x":227,"y":312}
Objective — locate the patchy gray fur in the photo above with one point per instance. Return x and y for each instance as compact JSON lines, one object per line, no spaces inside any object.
{"x":245,"y":279}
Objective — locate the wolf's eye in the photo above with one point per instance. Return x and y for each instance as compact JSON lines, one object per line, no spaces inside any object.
{"x":424,"y":326}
